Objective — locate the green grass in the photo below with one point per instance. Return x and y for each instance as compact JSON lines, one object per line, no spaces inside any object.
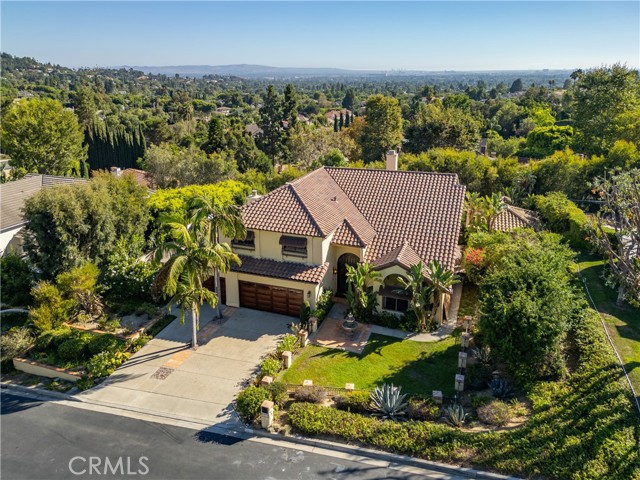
{"x":623,"y":323}
{"x":468,"y":300}
{"x":160,"y":325}
{"x":417,"y":367}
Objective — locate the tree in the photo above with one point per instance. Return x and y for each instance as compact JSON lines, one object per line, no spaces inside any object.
{"x":41,"y":136}
{"x":516,"y":86}
{"x":383,"y":128}
{"x":68,"y":225}
{"x":349,"y":99}
{"x":436,"y":127}
{"x":84,"y":103}
{"x":441,"y":280}
{"x":360,"y":294}
{"x":215,"y":135}
{"x":526,"y":300}
{"x":16,"y":278}
{"x":192,"y":259}
{"x":621,"y":211}
{"x":544,"y":141}
{"x":271,"y":140}
{"x":215,"y":219}
{"x":420,"y":293}
{"x":604,"y":99}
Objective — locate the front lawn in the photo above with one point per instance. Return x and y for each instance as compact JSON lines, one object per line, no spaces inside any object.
{"x":416,"y":366}
{"x":623,"y":323}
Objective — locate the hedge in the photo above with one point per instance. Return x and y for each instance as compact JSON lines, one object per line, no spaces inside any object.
{"x":561,"y":215}
{"x":582,"y":428}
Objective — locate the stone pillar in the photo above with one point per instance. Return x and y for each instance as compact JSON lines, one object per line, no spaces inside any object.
{"x":349,"y":387}
{"x":459,"y":383}
{"x":266,"y":414}
{"x":313,"y":324}
{"x":465,"y":340}
{"x":288,"y":358}
{"x":266,"y":380}
{"x":437,"y":397}
{"x":462,"y":360}
{"x":303,"y":336}
{"x":307,"y":383}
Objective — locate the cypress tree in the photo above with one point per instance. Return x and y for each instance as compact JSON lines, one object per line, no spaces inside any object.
{"x":336,"y":125}
{"x":347,"y":120}
{"x":341,"y":121}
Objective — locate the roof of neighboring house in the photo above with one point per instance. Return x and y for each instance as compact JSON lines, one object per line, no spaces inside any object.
{"x":13,"y":195}
{"x":287,"y":270}
{"x":253,"y":129}
{"x":385,"y":211}
{"x":141,"y":177}
{"x":512,"y":217}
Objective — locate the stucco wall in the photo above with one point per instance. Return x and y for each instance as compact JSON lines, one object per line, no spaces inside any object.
{"x":10,"y":240}
{"x":41,"y":370}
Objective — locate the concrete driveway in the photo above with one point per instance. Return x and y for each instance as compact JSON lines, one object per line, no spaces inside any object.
{"x":166,"y":377}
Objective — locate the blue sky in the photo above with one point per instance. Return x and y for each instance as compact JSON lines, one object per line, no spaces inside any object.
{"x":428,"y":35}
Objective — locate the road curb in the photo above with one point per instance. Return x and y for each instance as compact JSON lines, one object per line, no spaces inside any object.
{"x":246,"y":433}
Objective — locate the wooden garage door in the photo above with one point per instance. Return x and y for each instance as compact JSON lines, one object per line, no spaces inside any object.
{"x":211,"y":285}
{"x":286,"y":301}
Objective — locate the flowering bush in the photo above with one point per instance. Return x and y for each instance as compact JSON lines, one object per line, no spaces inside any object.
{"x":474,"y":263}
{"x":126,"y":276}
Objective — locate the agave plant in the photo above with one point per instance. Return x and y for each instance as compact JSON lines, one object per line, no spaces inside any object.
{"x":454,"y":415}
{"x":388,"y":402}
{"x":483,"y":355}
{"x":500,"y":388}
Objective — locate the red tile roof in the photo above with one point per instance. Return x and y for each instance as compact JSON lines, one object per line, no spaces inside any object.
{"x":287,"y":270}
{"x":379,"y":209}
{"x":512,"y":217}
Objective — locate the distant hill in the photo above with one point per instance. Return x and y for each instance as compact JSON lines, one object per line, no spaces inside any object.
{"x":252,"y":71}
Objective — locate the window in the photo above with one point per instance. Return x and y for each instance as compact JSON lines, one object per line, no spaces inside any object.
{"x":293,"y":246}
{"x":393,"y":295}
{"x":248,"y":243}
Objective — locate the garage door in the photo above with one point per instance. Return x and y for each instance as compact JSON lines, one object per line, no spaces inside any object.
{"x":286,"y":301}
{"x":211,"y":285}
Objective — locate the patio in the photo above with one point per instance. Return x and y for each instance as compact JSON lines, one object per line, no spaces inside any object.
{"x":331,"y":333}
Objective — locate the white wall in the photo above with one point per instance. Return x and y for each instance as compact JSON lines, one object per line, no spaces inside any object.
{"x":9,"y":240}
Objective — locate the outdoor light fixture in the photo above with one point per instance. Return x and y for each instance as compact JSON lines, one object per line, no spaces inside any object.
{"x":335,"y":271}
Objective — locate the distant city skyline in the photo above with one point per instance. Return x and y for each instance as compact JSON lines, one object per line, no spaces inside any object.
{"x":428,"y":36}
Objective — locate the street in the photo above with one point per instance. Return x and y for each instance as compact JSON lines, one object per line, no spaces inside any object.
{"x":44,"y":440}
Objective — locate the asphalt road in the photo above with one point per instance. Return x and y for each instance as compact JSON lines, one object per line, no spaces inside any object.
{"x":42,"y":440}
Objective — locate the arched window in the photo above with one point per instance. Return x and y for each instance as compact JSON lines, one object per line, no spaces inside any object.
{"x":393,"y":295}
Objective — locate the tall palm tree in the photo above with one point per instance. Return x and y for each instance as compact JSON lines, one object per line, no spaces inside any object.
{"x":420,"y":294}
{"x":492,"y":206}
{"x":192,"y":259}
{"x":215,"y":219}
{"x":441,"y":280}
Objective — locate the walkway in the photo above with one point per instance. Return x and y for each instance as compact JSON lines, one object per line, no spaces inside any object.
{"x":169,"y":378}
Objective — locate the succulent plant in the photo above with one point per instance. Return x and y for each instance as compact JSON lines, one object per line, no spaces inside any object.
{"x":483,"y":355}
{"x":455,"y":415}
{"x":388,"y":402}
{"x":500,"y":388}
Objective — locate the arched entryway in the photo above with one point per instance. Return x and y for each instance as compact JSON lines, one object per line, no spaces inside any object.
{"x":343,"y":261}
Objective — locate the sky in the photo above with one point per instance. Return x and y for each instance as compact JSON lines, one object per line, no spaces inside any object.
{"x":427,"y":35}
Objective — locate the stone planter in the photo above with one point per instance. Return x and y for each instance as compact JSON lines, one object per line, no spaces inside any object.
{"x":40,"y":369}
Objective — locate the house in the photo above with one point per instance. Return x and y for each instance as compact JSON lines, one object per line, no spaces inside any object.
{"x":511,"y":217}
{"x":13,"y":195}
{"x":254,"y":130}
{"x":140,"y":176}
{"x":301,"y":236}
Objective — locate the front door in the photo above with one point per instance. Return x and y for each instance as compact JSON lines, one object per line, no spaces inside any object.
{"x":343,"y":261}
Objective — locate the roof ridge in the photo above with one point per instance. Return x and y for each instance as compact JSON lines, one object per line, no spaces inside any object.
{"x":513,"y":209}
{"x":306,"y":209}
{"x":420,"y":172}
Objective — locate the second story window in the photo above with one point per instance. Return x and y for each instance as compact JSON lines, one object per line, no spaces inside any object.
{"x":248,"y":243}
{"x":293,"y":246}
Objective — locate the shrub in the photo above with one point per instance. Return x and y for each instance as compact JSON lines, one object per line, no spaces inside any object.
{"x":495,"y":413}
{"x":561,"y":215}
{"x":51,"y":309}
{"x":13,"y":319}
{"x":278,"y":392}
{"x":356,"y":402}
{"x":104,"y":343}
{"x":52,"y":339}
{"x":85,"y":383}
{"x":305,"y":313}
{"x":479,"y":400}
{"x":80,"y":279}
{"x":160,"y":325}
{"x":104,"y":364}
{"x":455,"y":415}
{"x":139,"y":342}
{"x":323,"y":305}
{"x":14,"y":342}
{"x":124,"y":274}
{"x":72,"y":350}
{"x":311,"y":394}
{"x":388,"y":402}
{"x":249,"y":401}
{"x":289,"y":343}
{"x":15,"y":278}
{"x":270,"y":367}
{"x":422,"y":409}
{"x":385,"y":319}
{"x":478,"y":376}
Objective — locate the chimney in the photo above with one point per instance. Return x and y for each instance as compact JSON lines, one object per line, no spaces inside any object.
{"x":392,"y":160}
{"x":254,"y":197}
{"x":116,"y":171}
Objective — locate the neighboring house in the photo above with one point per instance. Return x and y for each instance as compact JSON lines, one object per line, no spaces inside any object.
{"x":301,"y":236}
{"x":12,"y":198}
{"x":331,"y":115}
{"x":253,"y":129}
{"x":140,"y":176}
{"x":512,"y":217}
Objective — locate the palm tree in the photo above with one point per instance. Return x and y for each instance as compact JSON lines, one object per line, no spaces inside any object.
{"x":215,"y":219}
{"x":360,"y":295}
{"x":441,"y":280}
{"x":420,"y":294}
{"x":492,"y":206}
{"x":192,"y":259}
{"x":471,"y":207}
